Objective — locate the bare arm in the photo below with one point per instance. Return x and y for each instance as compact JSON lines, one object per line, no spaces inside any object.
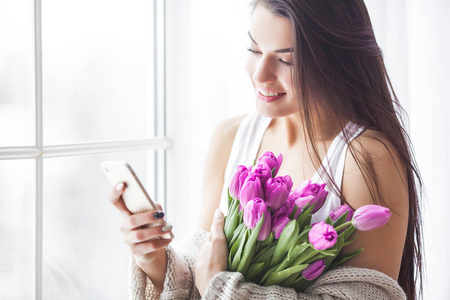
{"x":383,"y":247}
{"x":215,"y":165}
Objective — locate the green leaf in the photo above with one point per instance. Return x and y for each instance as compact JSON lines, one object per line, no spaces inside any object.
{"x":340,"y":243}
{"x":305,"y":223}
{"x":289,"y":281}
{"x":304,"y":218}
{"x":267,"y":274}
{"x":232,"y":221}
{"x":234,"y":250}
{"x":328,"y":252}
{"x":314,"y":258}
{"x":237,"y":258}
{"x":307,"y":254}
{"x":239,"y":230}
{"x":303,"y":237}
{"x":337,"y":248}
{"x":265,"y":254}
{"x":293,"y":254}
{"x":273,"y":172}
{"x":301,"y":284}
{"x":348,"y":232}
{"x":297,"y":250}
{"x":254,"y":270}
{"x":350,"y":241}
{"x":277,"y":277}
{"x":329,"y":220}
{"x":257,"y":246}
{"x":241,"y":217}
{"x":268,"y":241}
{"x":249,"y":250}
{"x":341,"y":220}
{"x":285,"y":242}
{"x":345,"y":257}
{"x":344,"y":225}
{"x":294,"y":211}
{"x":230,"y":199}
{"x":320,"y":255}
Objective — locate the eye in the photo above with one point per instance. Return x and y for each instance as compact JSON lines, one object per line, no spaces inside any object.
{"x":253,"y":51}
{"x":284,"y":62}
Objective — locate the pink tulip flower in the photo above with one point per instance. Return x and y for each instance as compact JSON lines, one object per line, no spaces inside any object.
{"x":314,"y":270}
{"x":309,"y":193}
{"x":253,"y":212}
{"x":322,"y":236}
{"x":369,"y":217}
{"x":272,"y":161}
{"x":238,"y":180}
{"x":277,"y":190}
{"x":279,"y":220}
{"x":340,"y":211}
{"x":263,"y":171}
{"x":250,"y":189}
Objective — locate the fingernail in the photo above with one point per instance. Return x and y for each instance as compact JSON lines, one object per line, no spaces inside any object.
{"x":158,"y":215}
{"x":119,"y":187}
{"x":168,"y":227}
{"x":217,"y":214}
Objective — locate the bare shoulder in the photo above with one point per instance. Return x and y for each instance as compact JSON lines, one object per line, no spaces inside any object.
{"x":225,"y":131}
{"x":215,"y":164}
{"x":389,"y":169}
{"x":383,"y":247}
{"x":222,"y":140}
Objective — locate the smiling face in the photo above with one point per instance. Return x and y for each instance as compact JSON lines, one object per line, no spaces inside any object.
{"x":268,"y":64}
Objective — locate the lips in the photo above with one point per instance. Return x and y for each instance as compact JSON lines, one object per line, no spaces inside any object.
{"x":269,"y":96}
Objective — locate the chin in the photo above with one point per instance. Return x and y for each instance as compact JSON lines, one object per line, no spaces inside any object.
{"x":274,"y":111}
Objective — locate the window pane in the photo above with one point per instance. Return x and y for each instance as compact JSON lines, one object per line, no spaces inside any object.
{"x":98,"y":70}
{"x":16,"y":73}
{"x":17,"y":229}
{"x":85,"y":256}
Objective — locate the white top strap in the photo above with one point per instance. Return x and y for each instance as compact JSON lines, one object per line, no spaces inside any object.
{"x":334,"y":163}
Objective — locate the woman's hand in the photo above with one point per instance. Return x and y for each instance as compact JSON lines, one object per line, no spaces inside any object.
{"x":141,"y":233}
{"x":212,"y":255}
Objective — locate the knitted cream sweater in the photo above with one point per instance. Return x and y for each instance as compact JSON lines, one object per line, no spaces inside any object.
{"x":340,"y":283}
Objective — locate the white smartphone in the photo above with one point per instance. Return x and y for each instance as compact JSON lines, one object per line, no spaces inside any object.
{"x":135,"y":196}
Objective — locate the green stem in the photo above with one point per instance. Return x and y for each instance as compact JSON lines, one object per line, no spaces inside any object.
{"x":342,"y":226}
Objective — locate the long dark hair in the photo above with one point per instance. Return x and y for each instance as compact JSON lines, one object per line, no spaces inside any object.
{"x":338,"y":65}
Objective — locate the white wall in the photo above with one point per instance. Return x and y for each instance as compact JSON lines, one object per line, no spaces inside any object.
{"x":429,"y":108}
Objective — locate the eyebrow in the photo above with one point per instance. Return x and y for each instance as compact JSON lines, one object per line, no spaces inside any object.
{"x":285,"y":50}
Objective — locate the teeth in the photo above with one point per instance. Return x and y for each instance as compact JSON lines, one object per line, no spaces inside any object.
{"x":269,"y":94}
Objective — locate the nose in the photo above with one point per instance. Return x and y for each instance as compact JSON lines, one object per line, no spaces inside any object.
{"x":264,"y":72}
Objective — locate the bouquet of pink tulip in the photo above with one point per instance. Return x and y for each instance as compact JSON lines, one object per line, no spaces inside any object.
{"x":270,"y":237}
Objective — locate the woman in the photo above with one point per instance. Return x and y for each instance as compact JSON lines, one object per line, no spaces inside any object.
{"x":322,"y":95}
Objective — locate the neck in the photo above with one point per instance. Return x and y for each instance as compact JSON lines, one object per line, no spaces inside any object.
{"x":292,"y":130}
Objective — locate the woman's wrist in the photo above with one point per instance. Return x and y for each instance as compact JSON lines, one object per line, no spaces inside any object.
{"x":154,"y":266}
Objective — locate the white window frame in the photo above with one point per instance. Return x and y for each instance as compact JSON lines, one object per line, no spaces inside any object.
{"x":39,"y":151}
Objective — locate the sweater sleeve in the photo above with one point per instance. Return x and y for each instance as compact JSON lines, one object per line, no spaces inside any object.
{"x":341,"y":283}
{"x":179,"y":280}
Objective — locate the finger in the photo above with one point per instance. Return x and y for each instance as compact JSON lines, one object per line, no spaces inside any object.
{"x":141,"y":219}
{"x":145,"y":234}
{"x":115,"y":197}
{"x":149,"y":246}
{"x":217,"y":224}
